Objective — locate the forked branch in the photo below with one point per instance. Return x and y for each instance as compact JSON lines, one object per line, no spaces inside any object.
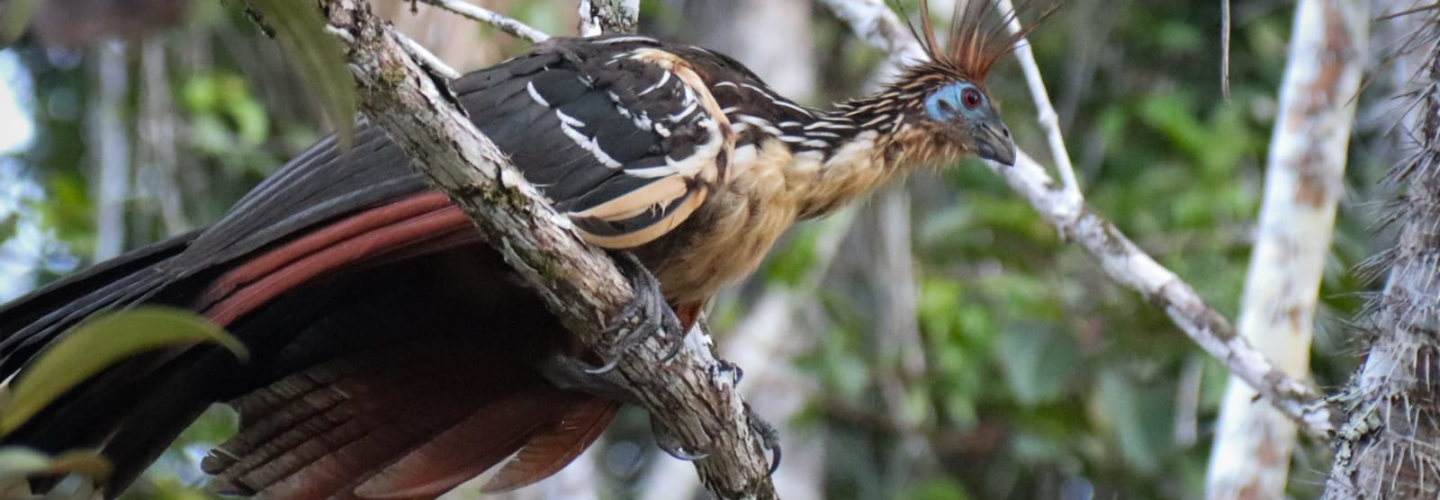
{"x":1119,"y":257}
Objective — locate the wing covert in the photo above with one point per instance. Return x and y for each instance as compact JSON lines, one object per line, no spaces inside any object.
{"x":621,"y":135}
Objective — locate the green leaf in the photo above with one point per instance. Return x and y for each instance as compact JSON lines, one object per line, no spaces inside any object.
{"x":17,"y":14}
{"x":938,"y":489}
{"x":17,"y":463}
{"x":317,"y":58}
{"x":97,"y":344}
{"x":1038,"y":362}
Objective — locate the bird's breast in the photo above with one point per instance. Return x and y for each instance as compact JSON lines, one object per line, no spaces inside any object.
{"x":729,"y":235}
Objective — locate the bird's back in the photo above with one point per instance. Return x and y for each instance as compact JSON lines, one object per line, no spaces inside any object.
{"x":353,"y":284}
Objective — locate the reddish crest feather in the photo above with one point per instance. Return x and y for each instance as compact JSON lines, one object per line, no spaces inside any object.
{"x":976,"y":39}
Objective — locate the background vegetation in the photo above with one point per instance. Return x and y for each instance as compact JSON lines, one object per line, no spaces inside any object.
{"x":951,"y":348}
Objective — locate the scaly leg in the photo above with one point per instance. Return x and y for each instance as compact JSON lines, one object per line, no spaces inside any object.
{"x":647,"y":315}
{"x":571,"y":374}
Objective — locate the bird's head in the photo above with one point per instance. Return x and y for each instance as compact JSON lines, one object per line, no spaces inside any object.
{"x":962,"y":113}
{"x":949,"y":100}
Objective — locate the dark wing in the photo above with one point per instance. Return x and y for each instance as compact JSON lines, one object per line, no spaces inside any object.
{"x":618,"y":132}
{"x":621,"y":134}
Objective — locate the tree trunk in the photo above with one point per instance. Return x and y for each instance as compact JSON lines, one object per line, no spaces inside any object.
{"x":111,"y":153}
{"x":1387,"y":447}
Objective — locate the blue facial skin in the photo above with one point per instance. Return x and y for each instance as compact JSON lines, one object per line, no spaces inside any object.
{"x":943,"y":105}
{"x":974,"y":125}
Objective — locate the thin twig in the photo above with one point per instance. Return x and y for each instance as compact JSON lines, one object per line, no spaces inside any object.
{"x":877,"y":25}
{"x":1049,"y":120}
{"x":490,"y":17}
{"x":428,"y":59}
{"x":1225,"y":49}
{"x":1127,"y":264}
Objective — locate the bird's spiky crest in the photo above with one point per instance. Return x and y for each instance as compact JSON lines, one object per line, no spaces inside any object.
{"x":976,"y":39}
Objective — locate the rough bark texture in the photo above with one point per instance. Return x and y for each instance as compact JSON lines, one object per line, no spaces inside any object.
{"x":609,"y":16}
{"x":1387,"y":448}
{"x":766,"y":342}
{"x":1303,"y":181}
{"x":693,"y":395}
{"x":1118,"y":256}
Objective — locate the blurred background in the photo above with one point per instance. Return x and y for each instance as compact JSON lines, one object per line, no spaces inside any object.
{"x":939,"y":342}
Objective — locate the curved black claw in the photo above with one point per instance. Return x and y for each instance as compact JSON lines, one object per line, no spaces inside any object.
{"x":647,"y":315}
{"x":722,"y":366}
{"x":769,"y":437}
{"x":565,"y":372}
{"x":568,"y":373}
{"x":666,"y":440}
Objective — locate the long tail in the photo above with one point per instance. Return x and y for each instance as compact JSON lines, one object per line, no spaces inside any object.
{"x":392,"y":357}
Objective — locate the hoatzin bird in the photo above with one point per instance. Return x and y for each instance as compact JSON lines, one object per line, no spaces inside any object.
{"x":393,"y":353}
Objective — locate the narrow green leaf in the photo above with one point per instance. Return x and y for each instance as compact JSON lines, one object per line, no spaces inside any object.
{"x":97,"y":344}
{"x":17,"y":14}
{"x":317,"y":58}
{"x":17,"y":463}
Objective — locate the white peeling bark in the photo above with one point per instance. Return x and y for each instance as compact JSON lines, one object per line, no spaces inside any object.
{"x":692,"y":394}
{"x":609,"y":16}
{"x":1119,"y":257}
{"x":1303,"y":182}
{"x":480,"y":14}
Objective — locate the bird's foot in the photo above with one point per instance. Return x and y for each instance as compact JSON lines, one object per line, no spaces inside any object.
{"x":769,"y":437}
{"x":649,"y":314}
{"x":568,"y":373}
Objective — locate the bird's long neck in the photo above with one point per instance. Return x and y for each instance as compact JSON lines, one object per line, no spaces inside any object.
{"x":850,"y":150}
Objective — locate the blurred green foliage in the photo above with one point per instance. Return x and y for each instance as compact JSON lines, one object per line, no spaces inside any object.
{"x":1042,"y":378}
{"x":97,"y":344}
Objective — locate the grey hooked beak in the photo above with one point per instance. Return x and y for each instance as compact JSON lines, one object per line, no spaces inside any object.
{"x":993,"y":142}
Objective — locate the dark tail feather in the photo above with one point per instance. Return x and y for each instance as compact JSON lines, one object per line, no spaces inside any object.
{"x":29,"y":322}
{"x":566,"y":438}
{"x":399,"y":364}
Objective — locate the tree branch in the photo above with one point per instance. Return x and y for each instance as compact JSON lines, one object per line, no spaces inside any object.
{"x":692,"y":394}
{"x":490,"y":17}
{"x":1047,"y":117}
{"x":1119,"y":257}
{"x":609,"y":16}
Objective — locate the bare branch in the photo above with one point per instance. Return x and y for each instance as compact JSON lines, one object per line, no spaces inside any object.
{"x":691,"y":394}
{"x":1124,"y":261}
{"x":1225,"y":48}
{"x":490,"y":17}
{"x":1130,"y":266}
{"x":877,"y":25}
{"x":609,"y":16}
{"x":427,"y":59}
{"x":1304,"y":178}
{"x":1049,"y":120}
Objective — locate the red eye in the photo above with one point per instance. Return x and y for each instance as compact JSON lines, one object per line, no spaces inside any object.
{"x":971,"y":98}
